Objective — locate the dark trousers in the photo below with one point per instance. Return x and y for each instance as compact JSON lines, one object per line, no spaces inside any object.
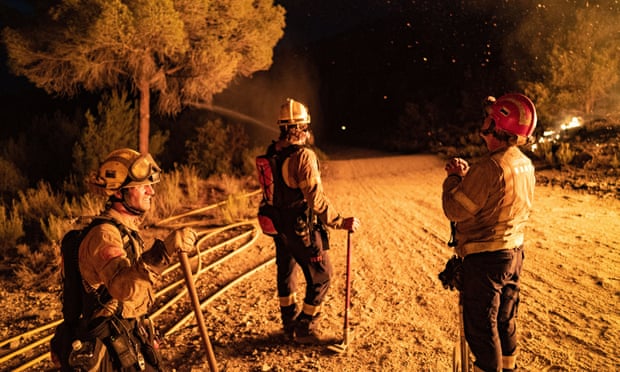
{"x":313,"y":261}
{"x":490,"y":304}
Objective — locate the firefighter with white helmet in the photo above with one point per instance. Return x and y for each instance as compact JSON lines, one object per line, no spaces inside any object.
{"x":490,"y":203}
{"x":304,"y":212}
{"x":118,"y":272}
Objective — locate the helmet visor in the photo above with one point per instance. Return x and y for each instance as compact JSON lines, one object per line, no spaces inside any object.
{"x":143,"y":169}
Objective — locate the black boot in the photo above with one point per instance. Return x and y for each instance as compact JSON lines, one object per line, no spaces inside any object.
{"x":289,"y":317}
{"x":306,"y":329}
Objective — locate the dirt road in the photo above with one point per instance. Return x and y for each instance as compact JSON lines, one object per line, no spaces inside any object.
{"x":402,"y":319}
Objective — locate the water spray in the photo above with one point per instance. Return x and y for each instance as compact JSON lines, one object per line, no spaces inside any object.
{"x":235,"y":115}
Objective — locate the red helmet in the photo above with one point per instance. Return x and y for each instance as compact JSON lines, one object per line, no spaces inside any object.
{"x":514,"y":113}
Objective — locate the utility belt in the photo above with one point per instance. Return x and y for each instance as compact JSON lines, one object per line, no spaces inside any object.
{"x":312,"y":231}
{"x":480,"y":247}
{"x":129,"y":342}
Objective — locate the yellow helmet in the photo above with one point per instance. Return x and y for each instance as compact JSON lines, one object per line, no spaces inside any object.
{"x":124,"y":168}
{"x":293,"y":113}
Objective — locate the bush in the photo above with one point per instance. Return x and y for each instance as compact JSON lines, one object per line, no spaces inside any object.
{"x":11,"y":229}
{"x":177,"y":189}
{"x":169,"y":197}
{"x":11,"y":178}
{"x":113,"y":126}
{"x":218,"y":148}
{"x":38,"y":270}
{"x":564,"y":154}
{"x":36,"y":205}
{"x":236,"y":207}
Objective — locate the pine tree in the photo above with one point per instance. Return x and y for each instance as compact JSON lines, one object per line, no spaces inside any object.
{"x":182,"y":51}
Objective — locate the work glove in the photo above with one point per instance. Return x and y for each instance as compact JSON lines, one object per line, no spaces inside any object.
{"x":181,"y":240}
{"x":350,"y":224}
{"x":457,"y":166}
{"x":452,"y":275}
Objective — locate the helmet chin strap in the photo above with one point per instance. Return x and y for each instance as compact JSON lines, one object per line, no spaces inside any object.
{"x":129,"y":208}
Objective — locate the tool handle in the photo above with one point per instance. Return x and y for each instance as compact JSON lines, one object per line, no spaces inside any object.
{"x":347,"y":301}
{"x":187,"y":272}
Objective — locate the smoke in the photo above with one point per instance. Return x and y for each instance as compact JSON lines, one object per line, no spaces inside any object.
{"x":260,"y":96}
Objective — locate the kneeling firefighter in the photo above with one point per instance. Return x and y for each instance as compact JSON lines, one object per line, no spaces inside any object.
{"x":298,"y":213}
{"x":117,"y":273}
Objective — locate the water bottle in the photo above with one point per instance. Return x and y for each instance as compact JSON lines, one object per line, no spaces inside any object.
{"x":82,"y":357}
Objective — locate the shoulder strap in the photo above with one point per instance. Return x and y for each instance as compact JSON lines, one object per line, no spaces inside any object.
{"x":98,"y":298}
{"x":285,"y":196}
{"x":133,"y":238}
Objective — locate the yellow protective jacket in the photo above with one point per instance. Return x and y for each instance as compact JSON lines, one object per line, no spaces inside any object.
{"x":491,"y":204}
{"x":301,"y":170}
{"x":104,"y":261}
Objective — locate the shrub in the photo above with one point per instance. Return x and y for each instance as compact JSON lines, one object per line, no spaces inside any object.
{"x":169,"y":197}
{"x":38,"y":270}
{"x":114,"y":126}
{"x":237,"y":207}
{"x":11,"y":178}
{"x":218,"y":148}
{"x":11,"y":229}
{"x":564,"y":154}
{"x":544,"y":150}
{"x":37,"y":204}
{"x":55,"y":227}
{"x":191,"y":181}
{"x":87,"y":205}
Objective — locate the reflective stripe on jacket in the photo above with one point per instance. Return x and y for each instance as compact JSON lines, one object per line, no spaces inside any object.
{"x":491,"y":203}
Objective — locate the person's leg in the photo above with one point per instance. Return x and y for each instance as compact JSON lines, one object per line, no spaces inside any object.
{"x":317,"y":271}
{"x":483,"y":275}
{"x":287,"y":287}
{"x":509,"y":305}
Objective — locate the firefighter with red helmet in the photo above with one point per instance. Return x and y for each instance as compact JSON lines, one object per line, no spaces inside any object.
{"x":490,"y":204}
{"x":118,"y":273}
{"x":304,"y":212}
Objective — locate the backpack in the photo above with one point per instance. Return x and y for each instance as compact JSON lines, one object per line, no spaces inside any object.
{"x":276,"y":194}
{"x":77,"y":305}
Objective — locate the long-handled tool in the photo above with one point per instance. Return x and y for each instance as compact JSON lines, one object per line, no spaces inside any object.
{"x":341,"y":348}
{"x":460,"y":358}
{"x":187,"y":272}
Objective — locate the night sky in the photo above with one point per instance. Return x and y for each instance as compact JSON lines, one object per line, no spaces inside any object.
{"x":356,"y":63}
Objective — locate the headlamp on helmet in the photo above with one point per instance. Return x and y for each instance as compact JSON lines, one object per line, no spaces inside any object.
{"x":125,"y":168}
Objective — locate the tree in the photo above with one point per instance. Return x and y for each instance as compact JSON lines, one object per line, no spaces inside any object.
{"x":183,"y":51}
{"x":575,"y":58}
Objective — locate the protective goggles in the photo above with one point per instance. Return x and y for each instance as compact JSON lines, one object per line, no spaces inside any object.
{"x":144,"y":168}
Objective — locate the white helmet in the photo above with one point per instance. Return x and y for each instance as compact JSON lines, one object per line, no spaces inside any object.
{"x":293,"y":113}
